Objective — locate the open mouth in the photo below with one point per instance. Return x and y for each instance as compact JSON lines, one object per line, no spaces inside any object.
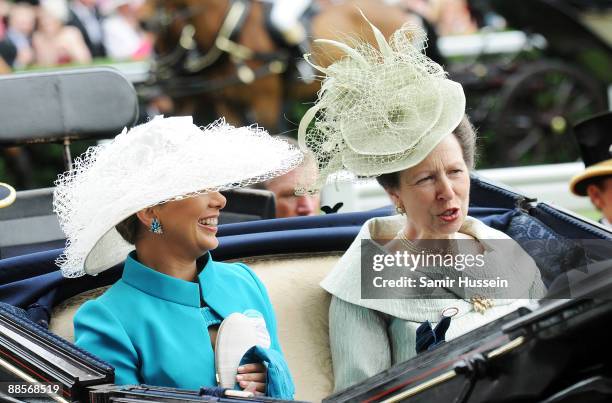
{"x":209,"y":223}
{"x":449,"y":215}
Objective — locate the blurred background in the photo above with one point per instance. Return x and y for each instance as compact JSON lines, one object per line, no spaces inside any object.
{"x":530,"y":71}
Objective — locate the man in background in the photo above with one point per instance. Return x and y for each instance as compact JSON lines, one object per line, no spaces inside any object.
{"x":124,"y":39}
{"x":85,"y":15}
{"x":21,"y":24}
{"x":8,"y":50}
{"x":594,"y":137}
{"x":283,"y":187}
{"x":8,"y":53}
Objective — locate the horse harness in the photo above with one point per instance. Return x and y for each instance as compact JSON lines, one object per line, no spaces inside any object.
{"x":186,"y":56}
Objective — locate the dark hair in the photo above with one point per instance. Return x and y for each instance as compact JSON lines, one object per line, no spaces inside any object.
{"x":129,"y":228}
{"x":465,"y":135}
{"x":598,"y":181}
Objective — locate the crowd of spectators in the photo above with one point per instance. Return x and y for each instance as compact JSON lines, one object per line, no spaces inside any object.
{"x":57,"y":32}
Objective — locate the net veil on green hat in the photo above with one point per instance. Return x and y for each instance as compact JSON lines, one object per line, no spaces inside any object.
{"x":379,"y":110}
{"x":159,"y":161}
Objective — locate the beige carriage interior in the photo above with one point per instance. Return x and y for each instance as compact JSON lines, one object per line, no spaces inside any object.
{"x":301,"y":308}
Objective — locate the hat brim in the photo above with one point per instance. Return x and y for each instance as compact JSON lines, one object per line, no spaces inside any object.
{"x":111,"y":249}
{"x":578,"y":184}
{"x":137,"y":170}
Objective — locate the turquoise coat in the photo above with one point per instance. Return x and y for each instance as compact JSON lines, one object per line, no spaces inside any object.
{"x":153,"y":329}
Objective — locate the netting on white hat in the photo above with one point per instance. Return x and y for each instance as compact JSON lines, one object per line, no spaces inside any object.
{"x":379,"y":109}
{"x":156,"y":162}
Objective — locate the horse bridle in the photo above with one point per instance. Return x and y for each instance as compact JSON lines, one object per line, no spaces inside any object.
{"x":187,"y":56}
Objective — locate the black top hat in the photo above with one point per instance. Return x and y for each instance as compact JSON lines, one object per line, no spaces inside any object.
{"x":594,"y":137}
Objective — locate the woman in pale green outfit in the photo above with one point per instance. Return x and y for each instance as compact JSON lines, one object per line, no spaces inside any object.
{"x":369,"y":335}
{"x":392,"y":114}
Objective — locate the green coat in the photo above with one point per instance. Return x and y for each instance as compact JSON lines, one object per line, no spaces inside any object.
{"x":368,"y":336}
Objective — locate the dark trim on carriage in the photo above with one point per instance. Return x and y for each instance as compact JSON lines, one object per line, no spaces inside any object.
{"x":46,"y":357}
{"x":491,"y":361}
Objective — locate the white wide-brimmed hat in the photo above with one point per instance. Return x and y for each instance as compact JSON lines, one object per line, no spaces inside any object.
{"x":163,"y":160}
{"x":379,"y":110}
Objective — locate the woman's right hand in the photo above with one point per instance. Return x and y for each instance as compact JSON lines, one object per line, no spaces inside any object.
{"x":252,"y":378}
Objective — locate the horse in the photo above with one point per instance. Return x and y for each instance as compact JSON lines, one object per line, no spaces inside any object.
{"x":218,"y":56}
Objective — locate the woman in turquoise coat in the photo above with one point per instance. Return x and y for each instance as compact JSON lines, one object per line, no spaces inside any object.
{"x":176,"y":318}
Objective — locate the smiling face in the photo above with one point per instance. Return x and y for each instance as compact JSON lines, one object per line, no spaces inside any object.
{"x":190,"y":225}
{"x":435,"y":193}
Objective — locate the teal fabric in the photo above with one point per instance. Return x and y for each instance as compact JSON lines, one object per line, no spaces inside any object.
{"x":278,"y":372}
{"x":152,"y":328}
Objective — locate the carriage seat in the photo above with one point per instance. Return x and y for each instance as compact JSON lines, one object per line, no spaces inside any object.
{"x":552,"y":253}
{"x":301,"y":308}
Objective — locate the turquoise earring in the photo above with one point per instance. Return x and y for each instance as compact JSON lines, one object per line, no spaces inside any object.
{"x":156,"y":227}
